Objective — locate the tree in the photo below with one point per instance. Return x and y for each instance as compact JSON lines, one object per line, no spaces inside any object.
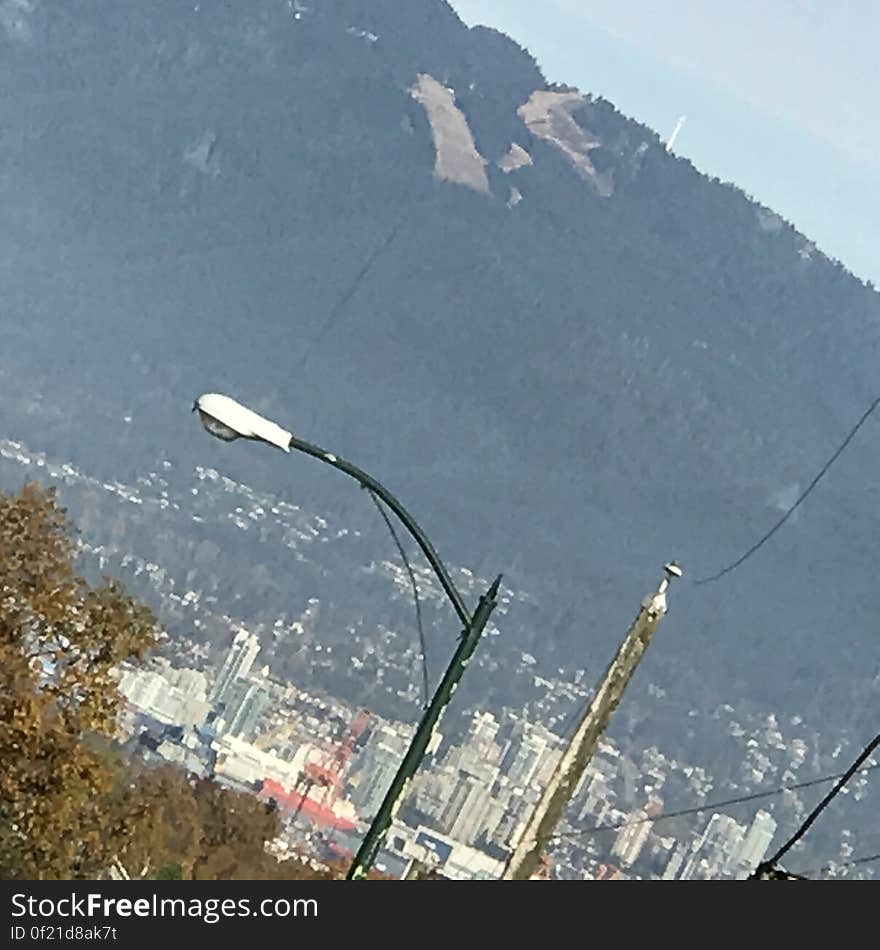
{"x":184,"y":827}
{"x":60,"y":642}
{"x":157,"y":822}
{"x":71,"y":806}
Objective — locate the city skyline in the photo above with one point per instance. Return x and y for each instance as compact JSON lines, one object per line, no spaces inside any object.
{"x":465,"y":809}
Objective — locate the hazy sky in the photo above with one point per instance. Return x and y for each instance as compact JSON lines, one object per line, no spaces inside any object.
{"x":780,"y":95}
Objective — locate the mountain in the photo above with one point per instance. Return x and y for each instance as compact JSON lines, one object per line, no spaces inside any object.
{"x":571,"y":354}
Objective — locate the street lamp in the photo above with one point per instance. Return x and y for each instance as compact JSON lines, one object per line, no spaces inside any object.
{"x":227,"y":419}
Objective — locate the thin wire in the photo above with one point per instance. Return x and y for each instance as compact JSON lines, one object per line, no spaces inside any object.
{"x":760,"y":543}
{"x":826,"y":801}
{"x":830,"y":866}
{"x":868,"y":859}
{"x":741,"y":799}
{"x":365,"y":269}
{"x":352,"y":289}
{"x":415,"y":590}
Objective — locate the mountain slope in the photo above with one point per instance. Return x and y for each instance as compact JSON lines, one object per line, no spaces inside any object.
{"x":599,"y":361}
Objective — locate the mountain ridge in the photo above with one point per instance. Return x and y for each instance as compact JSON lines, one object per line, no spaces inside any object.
{"x":582,"y":385}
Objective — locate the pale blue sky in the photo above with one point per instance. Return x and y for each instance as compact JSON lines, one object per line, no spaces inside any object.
{"x":780,"y":96}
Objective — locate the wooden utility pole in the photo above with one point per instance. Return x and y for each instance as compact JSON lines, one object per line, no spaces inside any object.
{"x":526,"y":858}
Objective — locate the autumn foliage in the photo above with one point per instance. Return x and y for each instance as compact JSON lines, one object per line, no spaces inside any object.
{"x":193,"y":829}
{"x":60,"y":640}
{"x":71,"y":807}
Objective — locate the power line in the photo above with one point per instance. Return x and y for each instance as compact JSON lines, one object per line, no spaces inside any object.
{"x":771,"y":863}
{"x":408,"y":202}
{"x":760,"y":543}
{"x":869,"y":859}
{"x":738,"y":800}
{"x":358,"y":279}
{"x":415,"y":590}
{"x":777,"y":873}
{"x":854,"y":862}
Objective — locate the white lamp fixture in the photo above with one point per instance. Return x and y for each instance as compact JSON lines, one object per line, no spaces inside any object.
{"x":227,"y":419}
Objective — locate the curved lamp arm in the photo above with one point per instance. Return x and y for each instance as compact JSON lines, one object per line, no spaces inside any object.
{"x":406,"y":518}
{"x":227,"y":419}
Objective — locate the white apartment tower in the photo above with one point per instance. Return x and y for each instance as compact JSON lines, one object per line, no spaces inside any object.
{"x":238,"y":663}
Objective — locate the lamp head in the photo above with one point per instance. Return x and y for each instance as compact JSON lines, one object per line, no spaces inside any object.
{"x":673,"y":569}
{"x":228,"y":420}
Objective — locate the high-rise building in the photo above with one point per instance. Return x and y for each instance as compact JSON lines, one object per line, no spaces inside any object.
{"x":379,"y":768}
{"x":154,"y":690}
{"x":632,"y":837}
{"x":430,"y":791}
{"x":142,"y":687}
{"x":754,"y":846}
{"x":467,"y":810}
{"x":247,"y":699}
{"x":237,"y":665}
{"x":675,"y":863}
{"x":523,"y":764}
{"x":531,"y":755}
{"x":508,"y":829}
{"x":712,"y":856}
{"x":376,"y":767}
{"x":484,"y":728}
{"x":479,"y":754}
{"x":547,"y":766}
{"x":192,"y":683}
{"x":495,"y":821}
